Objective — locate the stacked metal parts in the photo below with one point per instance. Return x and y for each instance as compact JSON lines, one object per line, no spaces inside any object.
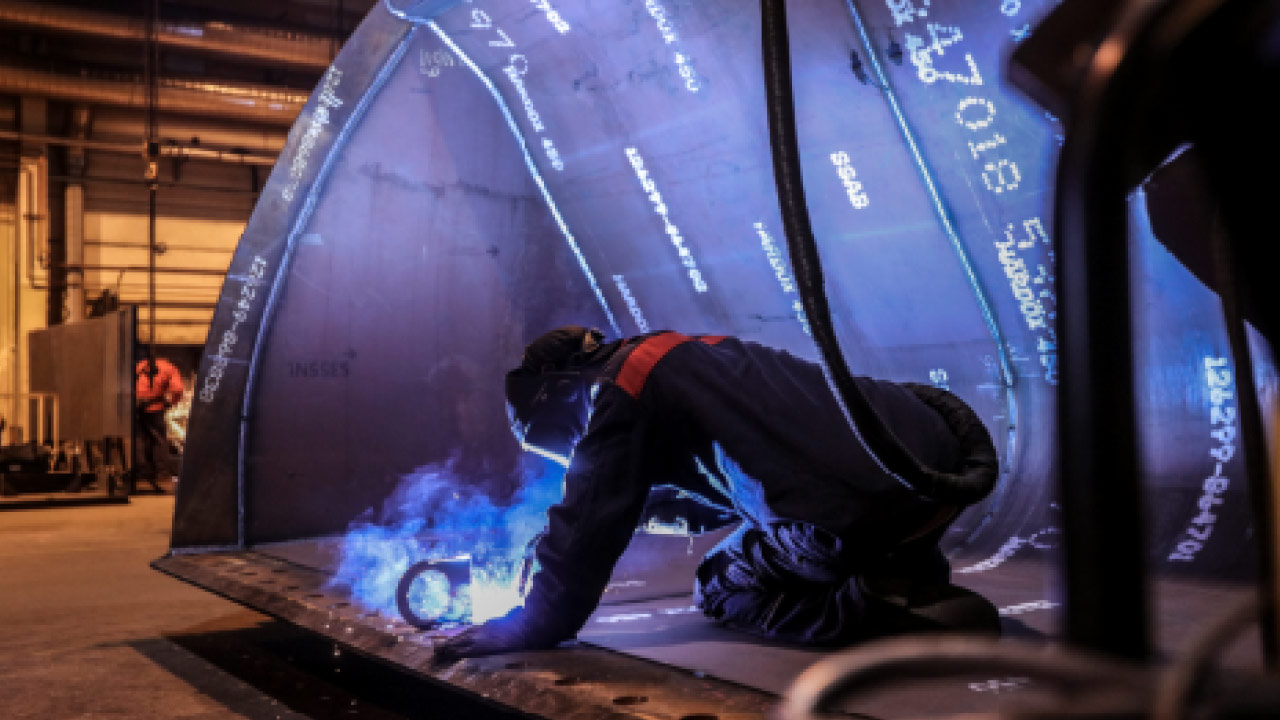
{"x":468,"y":175}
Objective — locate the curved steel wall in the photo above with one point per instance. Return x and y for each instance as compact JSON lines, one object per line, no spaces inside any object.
{"x":456,"y":187}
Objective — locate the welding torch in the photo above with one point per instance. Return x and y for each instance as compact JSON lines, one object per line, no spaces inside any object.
{"x":526,"y":563}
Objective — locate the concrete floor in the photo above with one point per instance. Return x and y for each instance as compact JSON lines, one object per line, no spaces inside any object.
{"x":89,"y":631}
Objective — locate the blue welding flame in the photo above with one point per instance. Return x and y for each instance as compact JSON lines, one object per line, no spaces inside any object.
{"x":434,"y":513}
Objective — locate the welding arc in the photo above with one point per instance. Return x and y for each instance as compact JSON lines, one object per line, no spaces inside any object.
{"x":978,"y":475}
{"x":411,"y":616}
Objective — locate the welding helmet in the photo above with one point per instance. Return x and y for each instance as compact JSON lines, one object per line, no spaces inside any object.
{"x":549,"y":395}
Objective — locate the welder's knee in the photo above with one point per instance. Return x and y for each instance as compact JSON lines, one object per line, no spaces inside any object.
{"x":721,"y":576}
{"x":728,"y":588}
{"x":731,"y":590}
{"x":741,"y":609}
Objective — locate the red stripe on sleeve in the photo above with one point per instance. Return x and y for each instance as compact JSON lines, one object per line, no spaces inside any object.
{"x":635,"y":370}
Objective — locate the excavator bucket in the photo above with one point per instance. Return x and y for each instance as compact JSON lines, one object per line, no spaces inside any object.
{"x":469,"y":175}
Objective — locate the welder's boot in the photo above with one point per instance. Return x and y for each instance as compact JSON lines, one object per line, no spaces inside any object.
{"x":896,"y":608}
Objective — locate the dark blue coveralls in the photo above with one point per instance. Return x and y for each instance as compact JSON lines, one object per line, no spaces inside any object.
{"x":755,"y":429}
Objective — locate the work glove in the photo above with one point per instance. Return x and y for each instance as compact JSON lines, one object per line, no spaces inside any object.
{"x":510,"y":633}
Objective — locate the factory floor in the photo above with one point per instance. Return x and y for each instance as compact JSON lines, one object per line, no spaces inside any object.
{"x":88,"y":630}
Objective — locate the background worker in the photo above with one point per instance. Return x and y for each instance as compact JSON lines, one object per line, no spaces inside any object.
{"x":831,"y":548}
{"x":158,"y":387}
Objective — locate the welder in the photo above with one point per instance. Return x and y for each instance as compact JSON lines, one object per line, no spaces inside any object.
{"x":158,"y":387}
{"x":831,"y":549}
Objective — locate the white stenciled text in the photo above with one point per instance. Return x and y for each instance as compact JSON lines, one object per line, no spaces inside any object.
{"x":230,"y":338}
{"x":849,"y":178}
{"x":663,"y":212}
{"x":1222,"y":430}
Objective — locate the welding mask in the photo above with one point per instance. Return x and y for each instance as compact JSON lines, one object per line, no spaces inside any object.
{"x":549,"y":395}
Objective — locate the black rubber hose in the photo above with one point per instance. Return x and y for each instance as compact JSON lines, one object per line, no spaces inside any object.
{"x":1106,"y":687}
{"x":977,"y":477}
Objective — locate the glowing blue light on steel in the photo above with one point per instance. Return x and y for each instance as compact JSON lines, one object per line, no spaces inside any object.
{"x":533,"y":173}
{"x":291,"y":242}
{"x":552,"y":456}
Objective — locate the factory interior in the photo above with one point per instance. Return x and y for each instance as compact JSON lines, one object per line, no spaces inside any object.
{"x":265,"y":265}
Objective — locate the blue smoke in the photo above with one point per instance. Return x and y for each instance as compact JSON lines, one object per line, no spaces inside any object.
{"x":434,"y":514}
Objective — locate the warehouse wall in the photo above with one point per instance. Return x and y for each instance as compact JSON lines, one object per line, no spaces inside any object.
{"x":193,"y":256}
{"x":8,"y":348}
{"x":26,"y":304}
{"x":75,"y":100}
{"x":201,"y":211}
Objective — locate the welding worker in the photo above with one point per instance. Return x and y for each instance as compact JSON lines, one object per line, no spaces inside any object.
{"x":158,"y":387}
{"x":831,"y":548}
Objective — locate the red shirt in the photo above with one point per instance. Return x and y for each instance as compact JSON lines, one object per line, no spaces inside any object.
{"x":154,"y":394}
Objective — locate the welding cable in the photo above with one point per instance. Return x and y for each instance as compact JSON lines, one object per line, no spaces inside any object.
{"x":1179,"y":685}
{"x":867,"y":667}
{"x":981,"y":465}
{"x":1262,"y":490}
